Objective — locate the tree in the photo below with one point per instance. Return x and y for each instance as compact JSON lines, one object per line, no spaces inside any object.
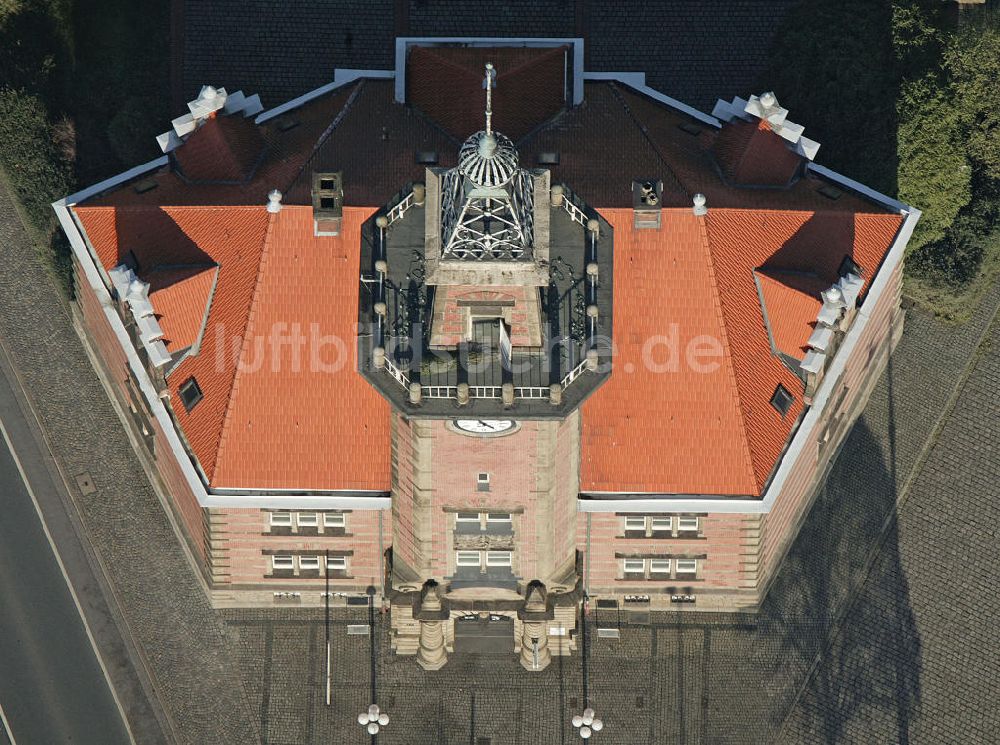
{"x":934,"y":171}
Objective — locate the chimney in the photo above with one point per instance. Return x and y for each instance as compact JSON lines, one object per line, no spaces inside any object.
{"x":647,"y":202}
{"x":327,"y":203}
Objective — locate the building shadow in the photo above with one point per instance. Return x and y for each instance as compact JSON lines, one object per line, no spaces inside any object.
{"x":840,"y":607}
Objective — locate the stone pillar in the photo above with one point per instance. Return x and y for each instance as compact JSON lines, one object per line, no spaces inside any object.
{"x":535,"y":654}
{"x":431,"y":654}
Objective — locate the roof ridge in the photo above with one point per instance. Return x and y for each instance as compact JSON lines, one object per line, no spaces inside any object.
{"x":643,"y":130}
{"x":325,"y":135}
{"x":223,"y":434}
{"x":730,"y":368}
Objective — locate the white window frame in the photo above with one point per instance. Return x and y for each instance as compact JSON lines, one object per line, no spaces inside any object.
{"x":666,"y":524}
{"x":465,"y":559}
{"x":687,"y":566}
{"x":305,"y":560}
{"x":641,"y":563}
{"x":336,"y":563}
{"x":279,"y":559}
{"x":307,"y":519}
{"x":689,"y":528}
{"x":467,"y":517}
{"x":276,"y":519}
{"x":491,"y":517}
{"x":334,"y":520}
{"x":499,"y":558}
{"x":663,"y":564}
{"x":631,"y":522}
{"x":480,"y":478}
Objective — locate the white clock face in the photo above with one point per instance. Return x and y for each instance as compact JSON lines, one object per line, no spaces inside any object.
{"x":484,"y":426}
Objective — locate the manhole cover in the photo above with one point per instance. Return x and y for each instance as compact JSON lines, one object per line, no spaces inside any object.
{"x":85,"y":483}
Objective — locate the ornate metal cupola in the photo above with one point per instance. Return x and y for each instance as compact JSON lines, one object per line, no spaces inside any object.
{"x":487,"y":201}
{"x":467,"y":311}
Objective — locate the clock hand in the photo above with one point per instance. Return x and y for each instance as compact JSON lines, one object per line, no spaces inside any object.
{"x":489,"y":426}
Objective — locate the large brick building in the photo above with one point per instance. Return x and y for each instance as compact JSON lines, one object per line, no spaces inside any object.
{"x":591,"y":343}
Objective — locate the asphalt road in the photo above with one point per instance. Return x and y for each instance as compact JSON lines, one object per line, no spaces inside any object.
{"x":52,"y":687}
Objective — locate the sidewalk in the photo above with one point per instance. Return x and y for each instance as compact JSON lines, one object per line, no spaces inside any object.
{"x":177,"y":635}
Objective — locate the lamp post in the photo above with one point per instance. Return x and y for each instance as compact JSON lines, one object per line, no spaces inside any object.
{"x":374,"y":718}
{"x":586,"y":723}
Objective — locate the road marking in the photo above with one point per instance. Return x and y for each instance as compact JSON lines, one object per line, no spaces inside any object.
{"x":69,"y":585}
{"x":6,"y":724}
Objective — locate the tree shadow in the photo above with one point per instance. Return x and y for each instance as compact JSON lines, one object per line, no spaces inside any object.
{"x":833,"y":66}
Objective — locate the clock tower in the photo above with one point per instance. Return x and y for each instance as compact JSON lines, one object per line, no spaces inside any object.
{"x":486,"y":310}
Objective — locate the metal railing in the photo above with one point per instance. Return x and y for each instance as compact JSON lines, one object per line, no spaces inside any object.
{"x":398,"y":374}
{"x":397,"y":212}
{"x":573,"y":374}
{"x":574,"y":212}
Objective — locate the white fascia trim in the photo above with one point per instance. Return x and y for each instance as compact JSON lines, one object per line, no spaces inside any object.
{"x":341,"y":77}
{"x":109,"y":183}
{"x":156,"y":405}
{"x":866,"y":191}
{"x":404,"y":42}
{"x":138,"y":369}
{"x":637,"y":81}
{"x":807,"y":429}
{"x":298,"y":502}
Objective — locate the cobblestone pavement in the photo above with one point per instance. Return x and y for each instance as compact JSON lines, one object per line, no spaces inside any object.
{"x":879,"y":628}
{"x":694,"y":51}
{"x":186,"y":651}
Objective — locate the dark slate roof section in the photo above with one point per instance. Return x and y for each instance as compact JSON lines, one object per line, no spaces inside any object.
{"x":695,"y":52}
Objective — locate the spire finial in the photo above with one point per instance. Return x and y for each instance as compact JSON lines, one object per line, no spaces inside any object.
{"x":488,"y":84}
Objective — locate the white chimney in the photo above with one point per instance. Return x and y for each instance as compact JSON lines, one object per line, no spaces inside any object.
{"x":700,"y":208}
{"x":274,"y":201}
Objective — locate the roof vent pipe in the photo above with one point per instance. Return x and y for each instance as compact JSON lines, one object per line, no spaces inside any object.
{"x":700,"y":209}
{"x":274,"y":201}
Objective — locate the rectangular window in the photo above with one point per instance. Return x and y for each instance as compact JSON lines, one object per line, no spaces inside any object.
{"x":467,"y":517}
{"x":659,"y":566}
{"x":635,"y":523}
{"x":660,"y":524}
{"x":308,"y":562}
{"x":498,"y":517}
{"x":334,"y":520}
{"x":336,"y":563}
{"x":635,"y":566}
{"x":687,"y":524}
{"x":307,"y":519}
{"x":467,"y":558}
{"x":279,"y":563}
{"x":483,"y":482}
{"x":498,"y":559}
{"x":281,"y":519}
{"x":687,"y":566}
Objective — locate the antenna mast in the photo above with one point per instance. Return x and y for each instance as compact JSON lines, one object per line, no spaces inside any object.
{"x":488,"y":84}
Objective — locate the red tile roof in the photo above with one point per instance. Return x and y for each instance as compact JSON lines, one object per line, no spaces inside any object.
{"x":668,"y":420}
{"x":791,"y":303}
{"x":300,"y":416}
{"x":651,"y":428}
{"x":180,"y":297}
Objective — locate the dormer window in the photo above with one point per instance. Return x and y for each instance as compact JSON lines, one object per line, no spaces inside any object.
{"x":190,"y":394}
